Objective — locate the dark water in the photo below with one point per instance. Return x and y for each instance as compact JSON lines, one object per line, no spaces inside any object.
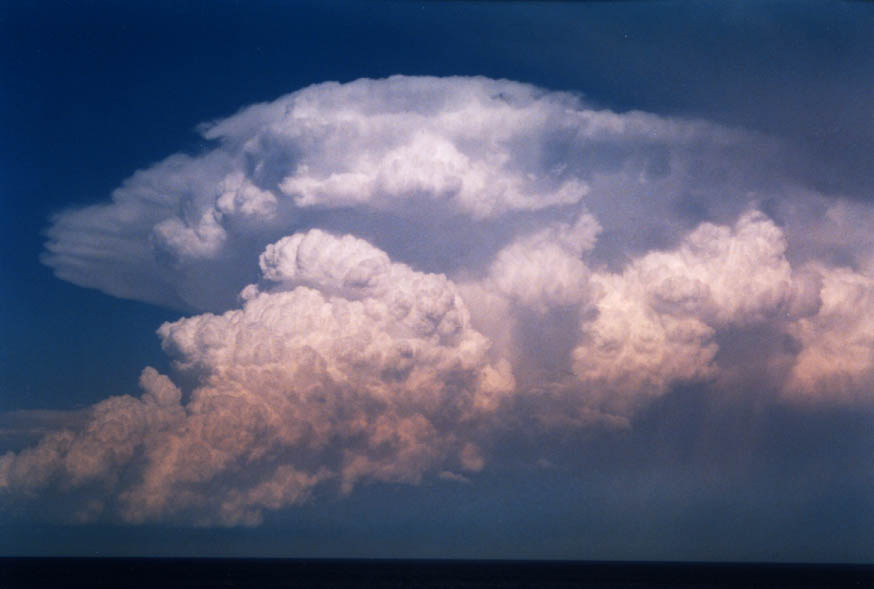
{"x":258,"y":573}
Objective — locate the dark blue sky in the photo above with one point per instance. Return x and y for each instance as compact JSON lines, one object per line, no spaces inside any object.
{"x":94,"y":91}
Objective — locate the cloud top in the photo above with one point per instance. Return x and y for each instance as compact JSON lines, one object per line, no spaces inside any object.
{"x":453,"y":153}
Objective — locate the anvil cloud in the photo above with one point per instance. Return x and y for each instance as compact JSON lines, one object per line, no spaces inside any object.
{"x":373,"y":272}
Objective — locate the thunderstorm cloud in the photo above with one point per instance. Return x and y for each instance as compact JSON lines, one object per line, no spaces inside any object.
{"x":377,"y":276}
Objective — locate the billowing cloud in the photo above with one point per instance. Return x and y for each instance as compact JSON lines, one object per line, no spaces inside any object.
{"x":371,"y":371}
{"x":545,"y":269}
{"x":656,"y":321}
{"x":406,"y":160}
{"x":836,"y":361}
{"x":384,"y":273}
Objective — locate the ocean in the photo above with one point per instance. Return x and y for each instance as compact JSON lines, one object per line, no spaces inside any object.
{"x":166,"y":573}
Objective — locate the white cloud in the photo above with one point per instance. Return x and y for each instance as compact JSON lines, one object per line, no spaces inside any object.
{"x":438,"y":256}
{"x":316,"y":258}
{"x":460,"y":160}
{"x":545,"y":269}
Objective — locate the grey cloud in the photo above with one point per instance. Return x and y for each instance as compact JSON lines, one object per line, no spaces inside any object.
{"x":25,"y":427}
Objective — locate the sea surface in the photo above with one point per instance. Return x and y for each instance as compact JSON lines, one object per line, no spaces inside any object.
{"x":158,"y":573}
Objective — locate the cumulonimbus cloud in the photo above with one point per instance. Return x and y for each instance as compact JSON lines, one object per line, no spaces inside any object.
{"x":381,"y":271}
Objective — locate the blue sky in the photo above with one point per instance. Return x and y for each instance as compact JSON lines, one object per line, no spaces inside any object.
{"x":726,"y":457}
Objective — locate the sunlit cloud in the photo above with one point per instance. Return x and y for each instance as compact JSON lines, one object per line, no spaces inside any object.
{"x":378,"y":275}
